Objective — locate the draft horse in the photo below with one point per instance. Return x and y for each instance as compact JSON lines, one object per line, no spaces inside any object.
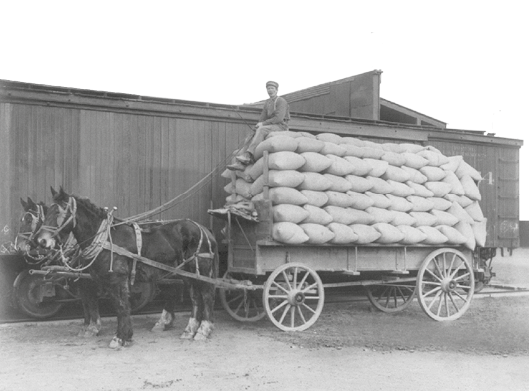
{"x":25,"y":243}
{"x":182,"y":244}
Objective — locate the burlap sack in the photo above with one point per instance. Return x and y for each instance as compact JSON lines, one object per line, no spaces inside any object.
{"x":277,"y":178}
{"x":289,"y":233}
{"x":372,"y":153}
{"x":275,"y":144}
{"x":380,"y":186}
{"x":316,"y":215}
{"x":339,"y":166}
{"x":415,"y":175}
{"x":343,"y":234}
{"x":339,"y":183}
{"x":378,"y":167}
{"x":474,"y":211}
{"x":434,"y":174}
{"x":420,"y":204}
{"x":371,"y":144}
{"x":453,"y":163}
{"x":244,"y":174}
{"x":329,"y":137}
{"x":466,"y":169}
{"x":366,"y":234}
{"x":423,"y":219}
{"x":470,"y":188}
{"x":358,"y":184}
{"x":388,"y":233}
{"x":339,"y":199}
{"x":243,"y":188}
{"x":412,"y":148}
{"x":288,"y":133}
{"x":480,"y":232}
{"x":420,"y":190}
{"x":414,"y":161}
{"x":348,"y":216}
{"x":453,"y":180}
{"x":412,"y":235}
{"x":257,"y":197}
{"x":392,"y":147}
{"x":461,"y":214}
{"x":400,"y":204}
{"x":439,"y":189}
{"x":353,"y":150}
{"x":307,"y":144}
{"x":287,"y":195}
{"x":315,"y":181}
{"x":379,"y":200}
{"x":289,"y":213}
{"x":315,"y":162}
{"x":440,"y":203}
{"x":466,"y":230}
{"x":360,"y":201}
{"x":361,"y":167}
{"x":332,"y":149}
{"x":444,"y":218}
{"x":393,"y":158}
{"x":401,"y":189}
{"x":353,"y":141}
{"x":285,"y":161}
{"x":318,"y":234}
{"x":234,"y":199}
{"x":434,"y":158}
{"x":315,"y":198}
{"x":396,"y":174}
{"x":255,"y":170}
{"x":433,"y":236}
{"x":401,"y":218}
{"x":453,"y":235}
{"x":380,"y":215}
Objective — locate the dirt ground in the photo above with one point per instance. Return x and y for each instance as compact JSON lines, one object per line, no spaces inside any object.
{"x":350,"y":347}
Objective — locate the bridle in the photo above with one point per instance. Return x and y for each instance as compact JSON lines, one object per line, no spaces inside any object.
{"x":62,"y":221}
{"x":37,"y":216}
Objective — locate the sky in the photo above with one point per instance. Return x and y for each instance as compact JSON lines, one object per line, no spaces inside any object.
{"x":462,"y":62}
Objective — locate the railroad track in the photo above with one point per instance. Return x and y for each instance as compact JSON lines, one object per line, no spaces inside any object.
{"x":73,"y":312}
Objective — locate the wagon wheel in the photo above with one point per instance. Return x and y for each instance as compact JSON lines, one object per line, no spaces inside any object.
{"x":242,"y":305}
{"x":293,"y":297}
{"x":391,"y":297}
{"x":27,"y":296}
{"x":141,"y":294}
{"x":445,"y":284}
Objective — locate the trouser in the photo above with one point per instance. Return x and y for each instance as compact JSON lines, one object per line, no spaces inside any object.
{"x":260,"y":134}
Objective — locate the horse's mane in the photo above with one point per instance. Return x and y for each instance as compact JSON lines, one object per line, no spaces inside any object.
{"x":90,"y":207}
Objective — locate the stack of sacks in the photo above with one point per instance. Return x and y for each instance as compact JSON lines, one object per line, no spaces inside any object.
{"x":342,"y":190}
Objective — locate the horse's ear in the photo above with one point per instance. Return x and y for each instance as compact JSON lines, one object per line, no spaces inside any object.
{"x":25,"y":205}
{"x":53,"y":192}
{"x":62,"y":192}
{"x":31,"y":203}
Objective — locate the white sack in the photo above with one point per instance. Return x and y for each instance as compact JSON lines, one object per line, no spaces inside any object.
{"x":315,"y":162}
{"x":372,"y":153}
{"x":366,"y":233}
{"x":343,"y":234}
{"x":414,"y":161}
{"x":348,"y":216}
{"x":453,"y":235}
{"x":433,"y":236}
{"x":400,"y":204}
{"x":380,"y":215}
{"x":453,"y":163}
{"x":380,"y":186}
{"x":339,"y":166}
{"x":415,"y":175}
{"x":285,"y":161}
{"x":412,"y":235}
{"x":329,"y":137}
{"x":358,"y":184}
{"x":474,"y":211}
{"x":315,"y":181}
{"x":289,"y":213}
{"x":289,"y":233}
{"x":378,"y":167}
{"x":275,"y":144}
{"x":466,"y":230}
{"x":379,"y":200}
{"x":434,"y":174}
{"x":360,"y":201}
{"x":401,"y":189}
{"x":318,"y":234}
{"x":307,"y":144}
{"x":361,"y":167}
{"x":286,"y":195}
{"x":420,"y":204}
{"x":393,"y":158}
{"x":339,"y":199}
{"x":466,"y":169}
{"x":480,"y":232}
{"x":434,"y":158}
{"x":439,"y":189}
{"x":420,"y":190}
{"x":396,"y":174}
{"x":423,"y":219}
{"x":445,"y":218}
{"x":353,"y":150}
{"x":332,"y":149}
{"x":461,"y":214}
{"x":470,"y":187}
{"x":315,"y":198}
{"x":388,"y":233}
{"x":453,"y":180}
{"x":316,"y":215}
{"x":440,"y":203}
{"x":401,"y":218}
{"x":353,"y":141}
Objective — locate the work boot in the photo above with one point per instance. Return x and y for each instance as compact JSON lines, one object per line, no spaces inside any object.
{"x":236,"y":167}
{"x":245,"y":158}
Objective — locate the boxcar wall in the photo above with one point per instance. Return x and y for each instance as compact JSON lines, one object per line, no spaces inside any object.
{"x":137,"y":153}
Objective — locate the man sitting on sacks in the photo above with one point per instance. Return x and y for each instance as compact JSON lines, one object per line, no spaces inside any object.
{"x":274,"y":118}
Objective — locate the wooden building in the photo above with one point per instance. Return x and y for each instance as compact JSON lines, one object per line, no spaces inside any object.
{"x":137,"y":153}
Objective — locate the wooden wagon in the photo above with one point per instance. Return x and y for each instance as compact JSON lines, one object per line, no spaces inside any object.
{"x":288,"y":282}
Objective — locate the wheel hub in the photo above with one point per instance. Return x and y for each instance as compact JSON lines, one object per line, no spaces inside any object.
{"x":296,"y":297}
{"x":448,"y":285}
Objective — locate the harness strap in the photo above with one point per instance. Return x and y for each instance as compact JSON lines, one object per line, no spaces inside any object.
{"x":139,"y":244}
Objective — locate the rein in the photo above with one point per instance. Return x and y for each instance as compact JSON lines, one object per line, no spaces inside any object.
{"x":72,"y":207}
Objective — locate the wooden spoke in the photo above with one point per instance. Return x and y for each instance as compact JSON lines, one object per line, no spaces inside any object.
{"x":242,"y":305}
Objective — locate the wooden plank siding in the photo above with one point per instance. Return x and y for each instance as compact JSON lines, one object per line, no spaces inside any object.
{"x":138,"y":155}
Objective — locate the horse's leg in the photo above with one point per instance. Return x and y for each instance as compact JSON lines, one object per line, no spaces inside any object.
{"x":196,"y":312}
{"x":88,"y":291}
{"x":119,"y":293}
{"x":207,"y":292}
{"x":167,"y":319}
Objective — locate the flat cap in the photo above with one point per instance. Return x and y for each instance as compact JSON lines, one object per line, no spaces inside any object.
{"x":272,"y":83}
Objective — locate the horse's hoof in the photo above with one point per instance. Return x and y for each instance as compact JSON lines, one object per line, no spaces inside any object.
{"x":116,"y":343}
{"x":186,"y":335}
{"x":158,"y":328}
{"x":200,"y":337}
{"x":82,"y":332}
{"x":204,"y":331}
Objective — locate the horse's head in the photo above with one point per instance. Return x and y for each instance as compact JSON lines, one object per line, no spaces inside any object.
{"x":60,"y":219}
{"x":29,"y":223}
